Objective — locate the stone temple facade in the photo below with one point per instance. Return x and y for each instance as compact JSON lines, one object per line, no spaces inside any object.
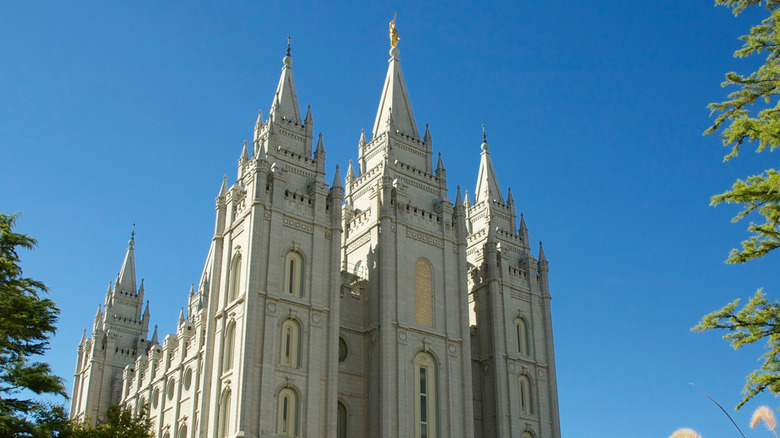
{"x":371,"y":307}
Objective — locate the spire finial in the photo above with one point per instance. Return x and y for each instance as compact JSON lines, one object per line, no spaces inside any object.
{"x":288,"y":44}
{"x":394,"y":38}
{"x":484,"y":138}
{"x":132,"y":237}
{"x":288,"y":59}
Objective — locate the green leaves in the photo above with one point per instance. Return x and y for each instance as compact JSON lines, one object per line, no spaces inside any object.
{"x":27,"y":321}
{"x":739,"y":124}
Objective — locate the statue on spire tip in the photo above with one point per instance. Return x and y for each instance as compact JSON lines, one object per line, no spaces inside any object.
{"x":393,"y":32}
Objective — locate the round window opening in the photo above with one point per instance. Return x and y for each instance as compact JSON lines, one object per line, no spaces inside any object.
{"x":171,"y":388}
{"x":155,"y":397}
{"x":187,"y":379}
{"x":342,"y":350}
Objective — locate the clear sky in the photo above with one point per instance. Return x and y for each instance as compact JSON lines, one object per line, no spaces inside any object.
{"x":120,"y":112}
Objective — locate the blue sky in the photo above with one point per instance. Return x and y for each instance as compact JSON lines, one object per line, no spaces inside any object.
{"x":120,"y":112}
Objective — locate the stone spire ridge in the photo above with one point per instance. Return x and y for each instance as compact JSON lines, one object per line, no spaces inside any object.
{"x":337,"y":177}
{"x":154,"y":336}
{"x":542,"y":257}
{"x":362,"y":140}
{"x":467,"y":200}
{"x":181,"y":316}
{"x":309,"y":118}
{"x":523,"y":230}
{"x":458,"y":199}
{"x":258,"y":126}
{"x":440,"y":165}
{"x":427,"y":136}
{"x":126,"y":278}
{"x":395,"y":96}
{"x":146,"y":312}
{"x":509,"y":199}
{"x":244,"y":153}
{"x":192,"y":289}
{"x":320,"y":148}
{"x":350,"y":172}
{"x":487,"y":182}
{"x":83,"y":337}
{"x":223,"y":188}
{"x":285,"y":104}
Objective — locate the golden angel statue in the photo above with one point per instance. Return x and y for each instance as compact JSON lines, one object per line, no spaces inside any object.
{"x":393,"y":33}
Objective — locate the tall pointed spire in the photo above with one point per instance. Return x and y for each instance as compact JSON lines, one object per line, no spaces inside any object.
{"x":337,"y":177}
{"x":487,"y":182}
{"x":542,"y":257}
{"x":154,"y":336}
{"x":286,"y":100}
{"x":395,"y":96}
{"x":126,"y":279}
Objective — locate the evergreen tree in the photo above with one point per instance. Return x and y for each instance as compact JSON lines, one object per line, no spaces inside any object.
{"x":119,"y":423}
{"x":759,"y":195}
{"x":27,"y":319}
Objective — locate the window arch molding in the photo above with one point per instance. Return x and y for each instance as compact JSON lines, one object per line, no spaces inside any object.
{"x":527,"y":434}
{"x":342,"y":419}
{"x":523,"y":335}
{"x":223,"y":420}
{"x":526,"y":394}
{"x":288,"y":411}
{"x":228,"y":346}
{"x":294,"y":272}
{"x":426,"y":406}
{"x":234,"y":276}
{"x":291,"y":342}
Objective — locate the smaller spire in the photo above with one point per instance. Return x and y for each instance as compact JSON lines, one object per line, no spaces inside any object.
{"x":427,"y":136}
{"x":223,"y":188}
{"x":244,"y":153}
{"x":542,"y":257}
{"x":523,"y":228}
{"x":440,"y":165}
{"x":83,"y":337}
{"x":337,"y":178}
{"x":467,"y":200}
{"x":320,"y":149}
{"x":308,"y":118}
{"x":154,"y":336}
{"x":146,"y":311}
{"x":362,"y":141}
{"x":458,"y":199}
{"x":350,"y":172}
{"x":288,"y":44}
{"x":509,"y":199}
{"x":259,"y":122}
{"x":192,"y":289}
{"x":181,"y":316}
{"x":261,"y":153}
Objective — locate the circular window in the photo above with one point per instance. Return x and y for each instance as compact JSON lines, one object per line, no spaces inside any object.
{"x":155,"y":397}
{"x":187,"y":379}
{"x":171,"y":388}
{"x":342,"y":350}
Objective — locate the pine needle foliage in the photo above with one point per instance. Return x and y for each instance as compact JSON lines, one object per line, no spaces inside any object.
{"x":738,"y":122}
{"x":27,"y":319}
{"x":758,"y":320}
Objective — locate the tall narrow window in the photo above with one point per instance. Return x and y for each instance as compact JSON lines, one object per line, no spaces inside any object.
{"x":287,"y":415}
{"x":234,"y":284}
{"x":223,"y":423}
{"x":425,"y":396}
{"x":526,"y":396}
{"x":293,"y":274}
{"x":341,"y":427}
{"x":423,"y":293}
{"x":183,"y":431}
{"x":523,"y":337}
{"x":228,"y":347}
{"x":291,"y":343}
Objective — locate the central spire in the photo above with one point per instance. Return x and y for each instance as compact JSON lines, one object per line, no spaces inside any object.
{"x":487,"y":182}
{"x":395,"y":109}
{"x":285,"y":104}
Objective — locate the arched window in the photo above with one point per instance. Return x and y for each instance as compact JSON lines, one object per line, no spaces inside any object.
{"x":223,"y":422}
{"x":360,"y":269}
{"x":423,"y":293}
{"x":291,"y":343}
{"x":228,"y":347}
{"x":523,"y":337}
{"x":341,"y":428}
{"x":526,"y":396}
{"x":234,"y":285}
{"x":183,"y":431}
{"x":287,"y":416}
{"x":527,"y":434}
{"x":425,"y":396}
{"x":293,"y":274}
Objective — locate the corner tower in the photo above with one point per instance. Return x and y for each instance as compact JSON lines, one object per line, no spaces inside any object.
{"x":515,"y":391}
{"x":405,"y":248}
